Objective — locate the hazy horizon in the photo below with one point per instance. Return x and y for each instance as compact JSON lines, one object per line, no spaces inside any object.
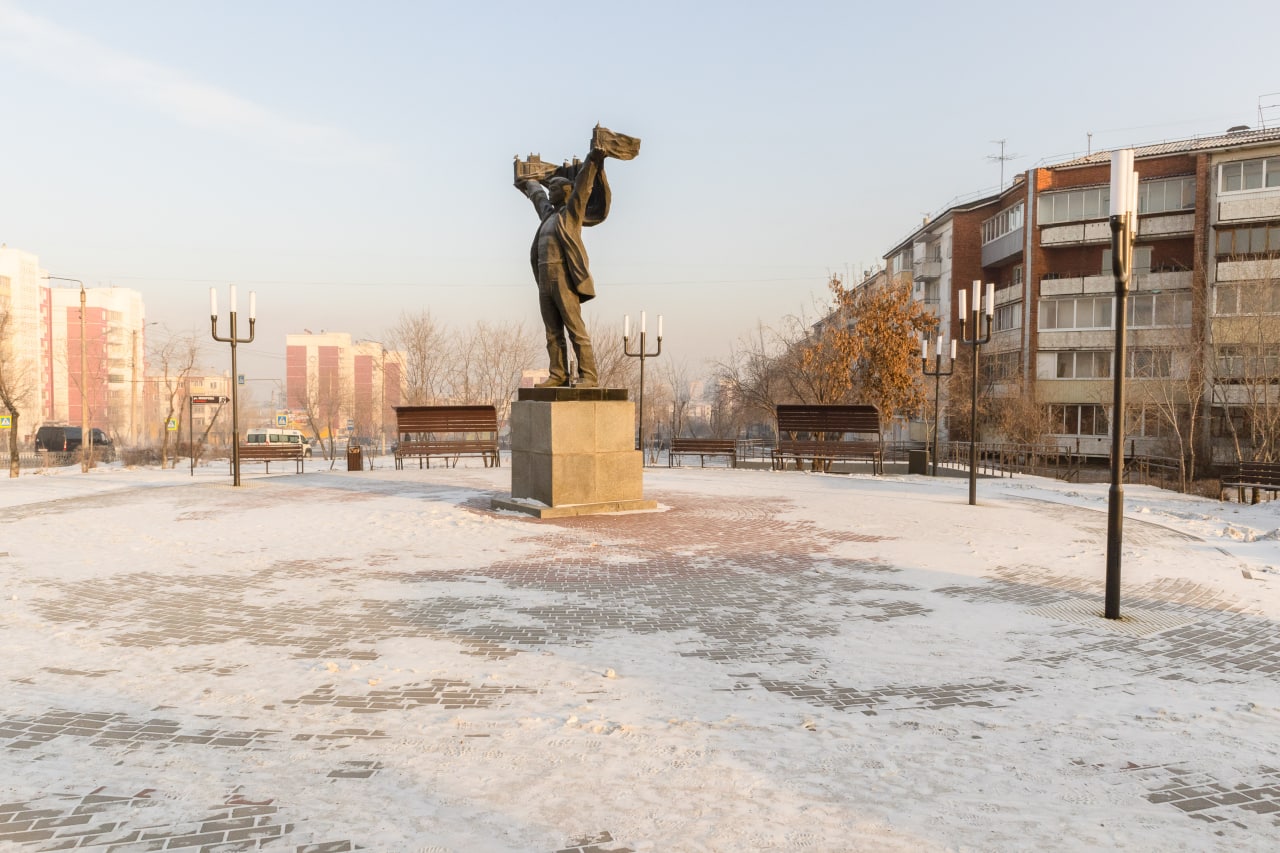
{"x":349,"y":166}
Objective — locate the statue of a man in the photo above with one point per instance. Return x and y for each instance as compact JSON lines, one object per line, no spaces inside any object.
{"x":559,"y":261}
{"x":566,"y":199}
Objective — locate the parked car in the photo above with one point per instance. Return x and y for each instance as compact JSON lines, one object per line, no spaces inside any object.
{"x":68,"y":439}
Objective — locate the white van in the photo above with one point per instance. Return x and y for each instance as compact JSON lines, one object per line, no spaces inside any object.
{"x":271,"y":435}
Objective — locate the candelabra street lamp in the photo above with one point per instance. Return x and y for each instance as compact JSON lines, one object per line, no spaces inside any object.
{"x":235,"y":384}
{"x":937,"y":373}
{"x":973,"y":324}
{"x":1124,"y":228}
{"x":641,"y":354}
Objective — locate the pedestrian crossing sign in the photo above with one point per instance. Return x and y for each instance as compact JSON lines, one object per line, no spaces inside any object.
{"x":6,"y":421}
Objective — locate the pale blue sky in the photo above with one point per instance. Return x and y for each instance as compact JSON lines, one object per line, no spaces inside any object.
{"x":349,"y":161}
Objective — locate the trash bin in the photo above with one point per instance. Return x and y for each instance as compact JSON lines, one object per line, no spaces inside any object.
{"x":917,"y":462}
{"x":355,"y":458}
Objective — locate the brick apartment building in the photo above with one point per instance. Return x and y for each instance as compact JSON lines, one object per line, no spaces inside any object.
{"x":1203,"y":306}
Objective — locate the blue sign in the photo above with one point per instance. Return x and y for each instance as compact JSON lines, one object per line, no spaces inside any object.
{"x":240,"y":378}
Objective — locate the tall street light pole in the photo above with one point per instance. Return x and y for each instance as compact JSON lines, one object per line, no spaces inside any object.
{"x":1124,"y":228}
{"x":235,"y":380}
{"x":642,"y":355}
{"x":86,"y":437}
{"x":979,"y":337}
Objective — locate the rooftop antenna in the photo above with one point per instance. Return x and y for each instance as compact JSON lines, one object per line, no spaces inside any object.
{"x":1088,"y":148}
{"x":1272,"y":104}
{"x":1002,"y":158}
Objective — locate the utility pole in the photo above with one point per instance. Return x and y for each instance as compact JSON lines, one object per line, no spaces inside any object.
{"x":86,"y":437}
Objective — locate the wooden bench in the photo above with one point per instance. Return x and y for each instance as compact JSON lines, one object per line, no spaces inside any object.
{"x":818,"y":434}
{"x":268,"y":453}
{"x":703,"y":447}
{"x":447,"y":432}
{"x":1256,"y":476}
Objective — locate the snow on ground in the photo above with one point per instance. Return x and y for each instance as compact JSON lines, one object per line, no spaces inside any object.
{"x":772,"y":661}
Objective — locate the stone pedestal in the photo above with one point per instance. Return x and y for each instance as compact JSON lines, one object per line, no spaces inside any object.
{"x":573,"y":453}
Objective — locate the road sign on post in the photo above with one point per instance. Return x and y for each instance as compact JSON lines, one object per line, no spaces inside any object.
{"x":6,"y":421}
{"x":197,"y":398}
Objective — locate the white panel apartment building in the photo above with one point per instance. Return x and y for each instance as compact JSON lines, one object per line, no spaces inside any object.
{"x":21,"y":298}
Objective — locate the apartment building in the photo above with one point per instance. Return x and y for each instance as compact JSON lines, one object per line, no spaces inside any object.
{"x":345,"y":386}
{"x":21,"y":311}
{"x":104,"y":370}
{"x":1203,"y":306}
{"x":76,"y":364}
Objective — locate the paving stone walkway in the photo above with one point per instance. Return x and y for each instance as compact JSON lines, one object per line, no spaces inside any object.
{"x":735,"y":581}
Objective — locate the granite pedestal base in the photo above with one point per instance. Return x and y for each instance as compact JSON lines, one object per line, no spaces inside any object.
{"x":573,"y":453}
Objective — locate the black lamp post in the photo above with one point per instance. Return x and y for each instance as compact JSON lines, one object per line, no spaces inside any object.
{"x":642,"y":355}
{"x":235,"y":377}
{"x":1124,"y":228}
{"x":974,"y":324}
{"x":937,"y":373}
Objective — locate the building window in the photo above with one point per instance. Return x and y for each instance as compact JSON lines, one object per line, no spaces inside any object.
{"x":1160,"y":309}
{"x":1247,"y":364}
{"x":1141,"y":260}
{"x":1080,"y":312}
{"x":1079,"y":419}
{"x":1007,"y":317}
{"x":1245,"y":175}
{"x":1001,"y":366}
{"x":1149,"y":364}
{"x":1149,"y":422}
{"x":1230,"y":422}
{"x":1247,"y":297}
{"x":1016,"y":277}
{"x":1005,"y":222}
{"x":1262,"y":241}
{"x":902,"y":261}
{"x":1167,"y":195}
{"x":1082,"y":364}
{"x":1074,"y":205}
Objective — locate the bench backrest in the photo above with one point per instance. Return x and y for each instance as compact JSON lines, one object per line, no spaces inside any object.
{"x":259,"y":449}
{"x":445,"y":419}
{"x":1260,"y":472}
{"x":830,"y":420}
{"x":719,"y":443}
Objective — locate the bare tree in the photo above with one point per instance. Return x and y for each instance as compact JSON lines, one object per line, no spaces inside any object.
{"x":751,"y":381}
{"x":674,"y":377}
{"x":323,"y":404}
{"x":1167,"y":391}
{"x":16,"y":381}
{"x":1246,"y":385}
{"x":488,"y":362}
{"x":427,"y":347}
{"x":615,"y":369}
{"x":175,"y":356}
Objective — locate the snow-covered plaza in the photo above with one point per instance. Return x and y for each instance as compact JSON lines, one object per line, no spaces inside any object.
{"x":770,"y":661}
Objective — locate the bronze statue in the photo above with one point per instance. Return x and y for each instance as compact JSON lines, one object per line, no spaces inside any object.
{"x":567,"y":198}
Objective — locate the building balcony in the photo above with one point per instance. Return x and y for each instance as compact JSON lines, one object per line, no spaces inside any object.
{"x":1078,"y":233}
{"x":1002,"y":248}
{"x":927,"y":268}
